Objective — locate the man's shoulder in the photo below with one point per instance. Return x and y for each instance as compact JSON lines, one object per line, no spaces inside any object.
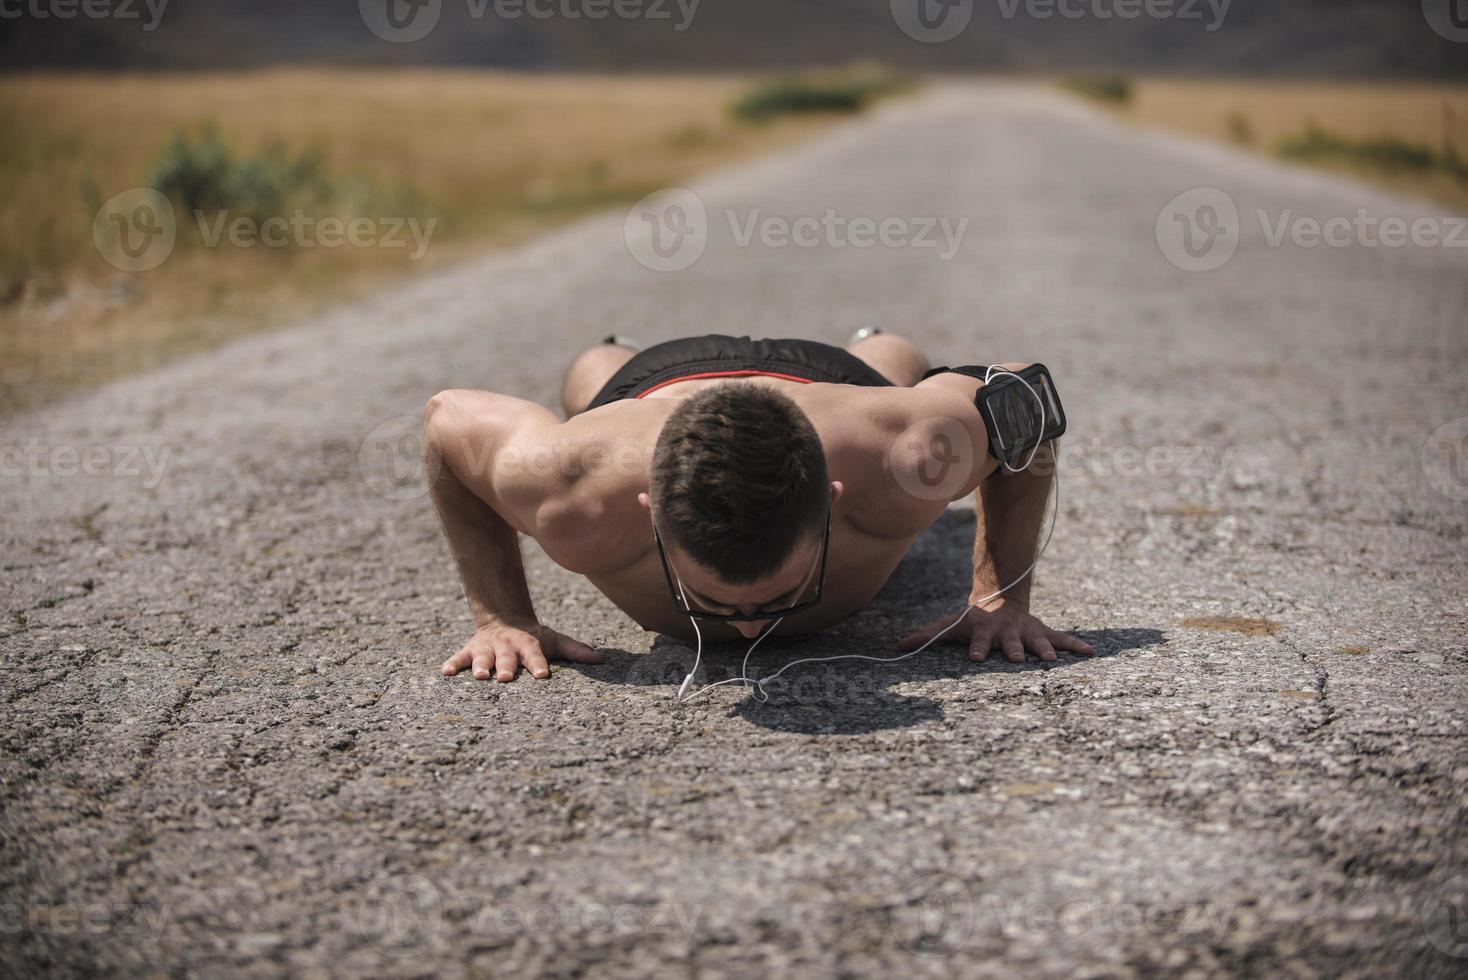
{"x":903,"y":453}
{"x":579,"y":480}
{"x":849,"y":417}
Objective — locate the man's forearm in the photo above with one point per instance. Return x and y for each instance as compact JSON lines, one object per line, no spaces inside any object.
{"x":486,"y":548}
{"x":1011,"y":510}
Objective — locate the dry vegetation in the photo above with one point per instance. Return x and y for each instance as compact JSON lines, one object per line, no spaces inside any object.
{"x":495,"y":157}
{"x":1267,"y":115}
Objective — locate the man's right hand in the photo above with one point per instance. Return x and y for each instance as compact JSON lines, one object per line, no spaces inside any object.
{"x":502,"y":650}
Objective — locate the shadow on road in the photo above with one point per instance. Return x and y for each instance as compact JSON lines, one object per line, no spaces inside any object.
{"x":844,"y":697}
{"x":857,"y":696}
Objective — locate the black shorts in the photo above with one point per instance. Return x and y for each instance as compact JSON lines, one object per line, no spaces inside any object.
{"x":717,"y":356}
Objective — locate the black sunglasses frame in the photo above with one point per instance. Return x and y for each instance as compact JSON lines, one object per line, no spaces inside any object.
{"x":682,"y":607}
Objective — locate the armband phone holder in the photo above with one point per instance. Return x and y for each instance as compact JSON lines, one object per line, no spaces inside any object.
{"x":1013,"y":415}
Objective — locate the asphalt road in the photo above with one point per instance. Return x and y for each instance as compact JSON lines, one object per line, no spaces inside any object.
{"x":227,"y":749}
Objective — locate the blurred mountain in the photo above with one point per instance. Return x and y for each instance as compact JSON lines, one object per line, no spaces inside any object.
{"x":1336,"y":38}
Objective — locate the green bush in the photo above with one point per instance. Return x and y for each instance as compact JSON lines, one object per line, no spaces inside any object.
{"x":1111,"y":88}
{"x":808,"y":94}
{"x":1382,"y":152}
{"x":202,"y":174}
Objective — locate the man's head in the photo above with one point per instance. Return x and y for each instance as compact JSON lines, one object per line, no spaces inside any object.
{"x":739,"y":487}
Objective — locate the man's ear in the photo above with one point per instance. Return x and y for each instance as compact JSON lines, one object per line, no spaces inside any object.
{"x":837,"y":489}
{"x":645,"y":501}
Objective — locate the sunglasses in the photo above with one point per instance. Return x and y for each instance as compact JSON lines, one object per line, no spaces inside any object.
{"x":682,"y":606}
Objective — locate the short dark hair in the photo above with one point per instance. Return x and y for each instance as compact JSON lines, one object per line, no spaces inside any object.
{"x":738,"y":479}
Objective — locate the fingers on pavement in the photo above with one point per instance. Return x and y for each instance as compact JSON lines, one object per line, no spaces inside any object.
{"x":576,"y":651}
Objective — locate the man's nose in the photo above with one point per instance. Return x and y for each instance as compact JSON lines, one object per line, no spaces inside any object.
{"x":750,"y":630}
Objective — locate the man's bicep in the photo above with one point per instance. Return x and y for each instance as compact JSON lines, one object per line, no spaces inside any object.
{"x":938,"y":450}
{"x":953,"y":403}
{"x":965,"y":384}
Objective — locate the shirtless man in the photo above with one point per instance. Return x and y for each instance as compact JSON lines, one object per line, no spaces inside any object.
{"x":739,"y":481}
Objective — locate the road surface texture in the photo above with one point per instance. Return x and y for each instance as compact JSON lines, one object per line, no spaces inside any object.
{"x":227,"y":748}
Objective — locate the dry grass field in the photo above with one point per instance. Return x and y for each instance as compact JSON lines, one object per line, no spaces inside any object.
{"x":491,"y":157}
{"x":494,"y":157}
{"x":1262,"y":115}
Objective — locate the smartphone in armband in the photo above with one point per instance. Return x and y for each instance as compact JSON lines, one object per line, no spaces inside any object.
{"x":1012,"y":414}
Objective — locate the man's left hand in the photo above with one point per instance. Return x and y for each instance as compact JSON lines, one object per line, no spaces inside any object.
{"x":999,"y":625}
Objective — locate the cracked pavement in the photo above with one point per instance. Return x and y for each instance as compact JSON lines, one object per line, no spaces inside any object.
{"x":227,"y":749}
